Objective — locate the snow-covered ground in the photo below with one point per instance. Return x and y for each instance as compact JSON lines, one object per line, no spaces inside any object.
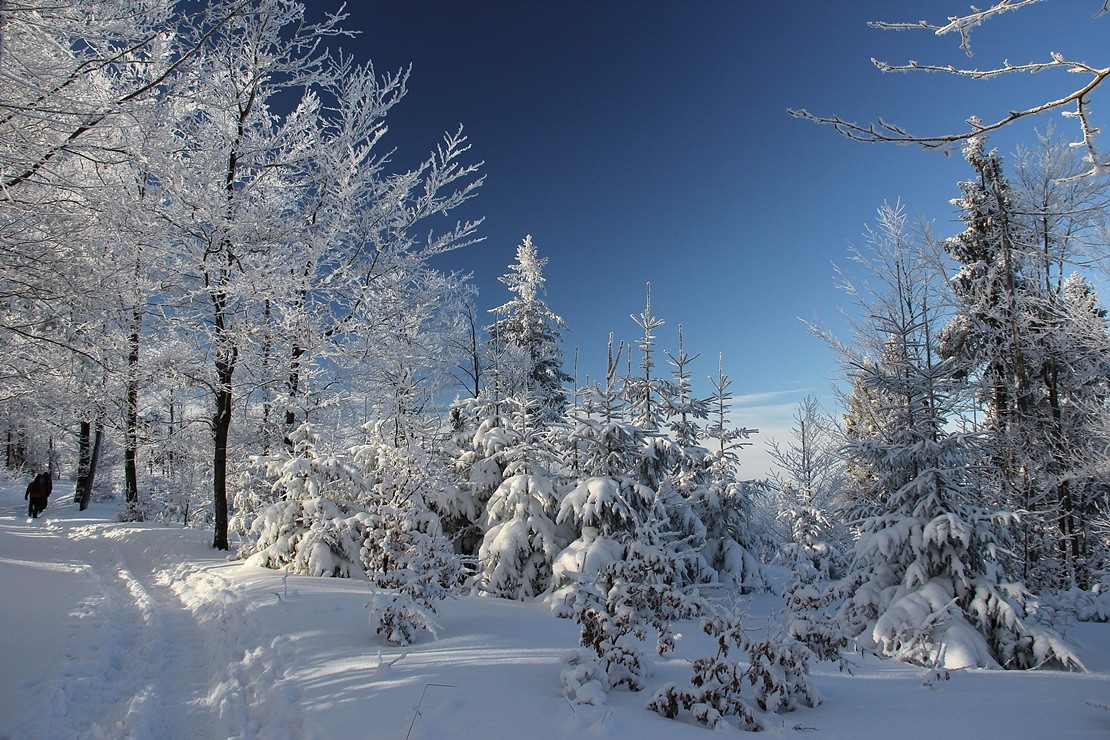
{"x":117,"y":630}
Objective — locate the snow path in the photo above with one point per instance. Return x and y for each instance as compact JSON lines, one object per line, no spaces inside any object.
{"x":136,"y":656}
{"x":148,"y":647}
{"x":162,"y":651}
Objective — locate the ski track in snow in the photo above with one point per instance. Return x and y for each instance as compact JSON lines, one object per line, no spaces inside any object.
{"x":141,"y":645}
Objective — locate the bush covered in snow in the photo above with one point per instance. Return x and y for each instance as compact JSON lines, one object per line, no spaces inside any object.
{"x":1097,"y":608}
{"x":633,"y":598}
{"x":776,"y":669}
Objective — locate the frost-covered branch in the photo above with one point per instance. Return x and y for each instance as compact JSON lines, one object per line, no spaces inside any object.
{"x":1075,"y":104}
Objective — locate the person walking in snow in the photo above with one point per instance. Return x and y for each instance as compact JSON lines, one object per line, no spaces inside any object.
{"x":37,"y":492}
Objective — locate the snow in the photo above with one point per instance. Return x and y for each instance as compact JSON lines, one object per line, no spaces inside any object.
{"x":116,"y":630}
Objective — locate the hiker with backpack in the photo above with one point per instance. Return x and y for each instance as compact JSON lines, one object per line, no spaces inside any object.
{"x":38,"y":491}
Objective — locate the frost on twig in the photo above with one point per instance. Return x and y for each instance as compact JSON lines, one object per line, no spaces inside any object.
{"x":1075,"y":104}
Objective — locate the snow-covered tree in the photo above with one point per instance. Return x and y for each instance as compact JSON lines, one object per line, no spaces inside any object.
{"x":809,"y":469}
{"x":605,"y":442}
{"x":687,"y":413}
{"x":726,"y":504}
{"x":407,"y":557}
{"x":302,"y":511}
{"x":484,"y":435}
{"x":286,"y":226}
{"x":525,"y":323}
{"x":633,"y":598}
{"x":404,"y":549}
{"x":521,"y":538}
{"x":605,"y":511}
{"x":924,"y":582}
{"x":1068,"y":215}
{"x":647,"y":394}
{"x":717,"y":682}
{"x":814,"y":563}
{"x":1027,"y":349}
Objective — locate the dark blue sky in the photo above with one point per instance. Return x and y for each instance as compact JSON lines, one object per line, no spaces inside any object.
{"x":649,"y":141}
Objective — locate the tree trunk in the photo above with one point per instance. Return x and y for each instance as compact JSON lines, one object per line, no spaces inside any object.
{"x":293,"y":384}
{"x":226,"y":358}
{"x":131,"y":421}
{"x":87,"y":477}
{"x":84,"y":455}
{"x":221,"y":425}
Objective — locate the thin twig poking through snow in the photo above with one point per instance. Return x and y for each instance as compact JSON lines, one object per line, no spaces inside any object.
{"x":382,"y":662}
{"x":416,"y":709}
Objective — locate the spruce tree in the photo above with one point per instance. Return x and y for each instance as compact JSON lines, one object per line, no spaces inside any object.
{"x":924,"y":583}
{"x":527,"y":325}
{"x":1027,"y":347}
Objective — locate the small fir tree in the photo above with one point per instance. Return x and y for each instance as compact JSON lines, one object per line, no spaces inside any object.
{"x":404,"y":552}
{"x":526,"y":324}
{"x":814,"y":564}
{"x":313,"y":524}
{"x":522,"y":538}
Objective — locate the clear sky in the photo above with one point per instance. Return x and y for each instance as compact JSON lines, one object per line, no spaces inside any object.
{"x":648,"y":140}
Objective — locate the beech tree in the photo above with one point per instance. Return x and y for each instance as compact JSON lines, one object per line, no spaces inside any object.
{"x":291,"y":237}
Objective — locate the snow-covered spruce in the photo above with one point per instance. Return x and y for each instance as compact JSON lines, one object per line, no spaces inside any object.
{"x":482,"y":438}
{"x":585,"y":680}
{"x":413,"y":567}
{"x":716,"y":690}
{"x":732,"y":541}
{"x":632,"y":599}
{"x":924,"y":583}
{"x":605,"y":510}
{"x":813,"y":563}
{"x":529,"y":333}
{"x":522,"y":539}
{"x":725,"y":503}
{"x":314,"y":523}
{"x":404,"y":551}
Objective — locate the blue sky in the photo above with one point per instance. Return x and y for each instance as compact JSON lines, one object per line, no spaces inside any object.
{"x":649,"y":141}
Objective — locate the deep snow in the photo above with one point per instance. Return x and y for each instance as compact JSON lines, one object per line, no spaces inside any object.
{"x":114,"y":630}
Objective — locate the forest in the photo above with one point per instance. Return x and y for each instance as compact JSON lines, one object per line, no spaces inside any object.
{"x":219,"y":305}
